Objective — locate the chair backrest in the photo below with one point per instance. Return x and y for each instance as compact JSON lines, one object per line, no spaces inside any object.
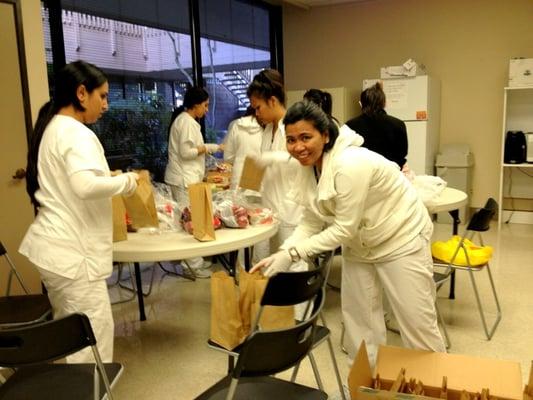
{"x":12,"y":271}
{"x":268,"y":352}
{"x":45,"y":342}
{"x":480,"y":221}
{"x":290,"y":288}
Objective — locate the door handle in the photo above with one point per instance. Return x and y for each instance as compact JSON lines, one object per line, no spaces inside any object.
{"x":19,"y":174}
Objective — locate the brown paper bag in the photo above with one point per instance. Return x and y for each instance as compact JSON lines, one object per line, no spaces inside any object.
{"x":272,"y":317}
{"x":120,"y":231}
{"x":141,"y":205}
{"x":246,"y":298}
{"x":201,"y":211}
{"x":252,"y":175}
{"x":226,"y":322}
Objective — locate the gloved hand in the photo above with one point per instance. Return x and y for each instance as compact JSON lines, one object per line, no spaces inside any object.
{"x":274,"y":264}
{"x":131,"y":183}
{"x":212,"y":147}
{"x":268,"y":158}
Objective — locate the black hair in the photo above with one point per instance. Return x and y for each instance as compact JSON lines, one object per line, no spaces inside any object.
{"x":321,"y":98}
{"x":373,"y":99}
{"x":193,"y":95}
{"x":67,"y":81}
{"x":266,"y":84}
{"x":310,"y":112}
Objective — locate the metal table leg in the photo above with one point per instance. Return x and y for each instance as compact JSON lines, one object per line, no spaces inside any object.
{"x":140,"y":298}
{"x":455,"y":230}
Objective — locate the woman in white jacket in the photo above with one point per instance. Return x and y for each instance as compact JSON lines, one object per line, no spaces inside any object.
{"x":69,"y":182}
{"x":357,"y":199}
{"x":243,"y":139}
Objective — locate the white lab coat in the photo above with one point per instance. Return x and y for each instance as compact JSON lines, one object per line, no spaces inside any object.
{"x":243,"y":139}
{"x":364,"y":203}
{"x":185,"y":166}
{"x":70,"y":240}
{"x":279,"y":178}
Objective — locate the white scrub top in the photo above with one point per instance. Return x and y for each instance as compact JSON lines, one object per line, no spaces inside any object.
{"x":279,"y":178}
{"x":185,"y":166}
{"x":69,"y":232}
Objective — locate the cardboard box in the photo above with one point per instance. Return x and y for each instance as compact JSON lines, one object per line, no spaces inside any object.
{"x":502,"y":378}
{"x":521,"y":72}
{"x":408,"y":68}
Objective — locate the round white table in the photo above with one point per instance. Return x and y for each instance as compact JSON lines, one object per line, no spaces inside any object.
{"x":146,"y":247}
{"x":450,"y":200}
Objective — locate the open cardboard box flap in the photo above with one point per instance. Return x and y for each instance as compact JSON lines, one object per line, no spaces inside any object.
{"x":502,"y":378}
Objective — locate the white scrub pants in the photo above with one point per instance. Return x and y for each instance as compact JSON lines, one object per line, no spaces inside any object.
{"x":181,"y":196}
{"x":407,"y":280}
{"x":69,"y":296}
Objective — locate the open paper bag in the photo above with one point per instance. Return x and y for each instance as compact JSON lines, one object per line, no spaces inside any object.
{"x":252,"y":175}
{"x":141,"y":205}
{"x":201,"y":211}
{"x":234,"y":308}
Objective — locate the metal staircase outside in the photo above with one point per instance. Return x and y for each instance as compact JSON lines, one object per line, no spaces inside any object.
{"x":237,"y":83}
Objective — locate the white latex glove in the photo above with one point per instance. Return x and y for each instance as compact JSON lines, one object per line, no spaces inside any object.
{"x":212,"y":147}
{"x":131,"y":184}
{"x":274,"y":264}
{"x":268,"y":158}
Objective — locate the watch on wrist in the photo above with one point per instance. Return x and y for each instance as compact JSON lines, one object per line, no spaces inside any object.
{"x":295,"y":256}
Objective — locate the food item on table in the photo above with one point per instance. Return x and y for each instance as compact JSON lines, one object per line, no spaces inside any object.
{"x":259,"y":216}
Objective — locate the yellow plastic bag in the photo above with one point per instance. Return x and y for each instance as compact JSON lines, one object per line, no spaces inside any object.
{"x":477,"y":255}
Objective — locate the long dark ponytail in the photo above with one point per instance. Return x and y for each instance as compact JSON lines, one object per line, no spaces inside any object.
{"x":373,"y":100}
{"x":67,"y":82}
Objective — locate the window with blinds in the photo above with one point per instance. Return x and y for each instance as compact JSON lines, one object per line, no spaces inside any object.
{"x":145,"y":50}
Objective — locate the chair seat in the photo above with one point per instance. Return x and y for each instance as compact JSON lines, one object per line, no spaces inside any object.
{"x":24,"y":309}
{"x":56,"y":382}
{"x":441,"y":263}
{"x":263,"y":388}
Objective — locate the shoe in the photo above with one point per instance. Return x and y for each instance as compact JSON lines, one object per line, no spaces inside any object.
{"x":202,"y":273}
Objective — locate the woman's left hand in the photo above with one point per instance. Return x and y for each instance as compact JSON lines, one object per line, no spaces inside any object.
{"x":274,"y":264}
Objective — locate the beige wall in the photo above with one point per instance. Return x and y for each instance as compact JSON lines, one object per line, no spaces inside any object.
{"x":35,"y":55}
{"x":465,"y":44}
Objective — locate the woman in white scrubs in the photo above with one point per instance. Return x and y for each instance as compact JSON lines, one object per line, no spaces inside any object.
{"x":267,"y":97}
{"x":357,"y":199}
{"x":69,"y":183}
{"x":186,"y":155}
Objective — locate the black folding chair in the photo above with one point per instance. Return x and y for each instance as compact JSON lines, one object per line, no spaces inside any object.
{"x":480,"y":222}
{"x":265,"y":353}
{"x":31,"y":349}
{"x":21,"y":309}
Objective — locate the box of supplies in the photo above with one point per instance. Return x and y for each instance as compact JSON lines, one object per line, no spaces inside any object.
{"x":405,"y":374}
{"x":521,"y":72}
{"x":407,"y":69}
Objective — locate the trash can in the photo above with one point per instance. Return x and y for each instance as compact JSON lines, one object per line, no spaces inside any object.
{"x":454,"y":164}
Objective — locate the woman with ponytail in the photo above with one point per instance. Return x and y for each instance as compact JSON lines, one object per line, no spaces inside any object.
{"x":69,"y":183}
{"x":383,"y":133}
{"x":357,"y":199}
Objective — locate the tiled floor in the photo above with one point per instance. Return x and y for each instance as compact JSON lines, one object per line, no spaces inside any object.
{"x":166,"y":357}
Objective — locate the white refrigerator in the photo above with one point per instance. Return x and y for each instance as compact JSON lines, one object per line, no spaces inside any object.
{"x":416,"y":101}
